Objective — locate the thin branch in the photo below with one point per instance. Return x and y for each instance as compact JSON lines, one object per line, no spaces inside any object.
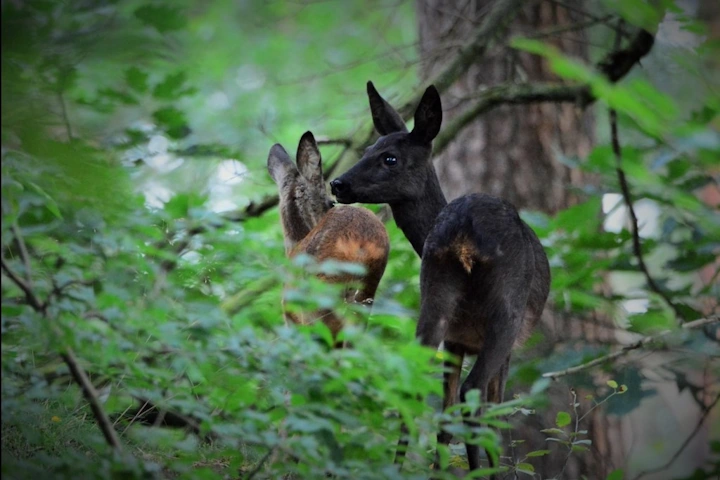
{"x":30,"y":296}
{"x":260,"y":464}
{"x":91,"y":395}
{"x":23,"y":253}
{"x":65,"y":117}
{"x":507,"y":94}
{"x":614,"y":67}
{"x":698,"y":426}
{"x":492,"y":27}
{"x":551,"y":32}
{"x":700,"y":323}
{"x":334,"y":141}
{"x":69,"y":358}
{"x":625,"y":189}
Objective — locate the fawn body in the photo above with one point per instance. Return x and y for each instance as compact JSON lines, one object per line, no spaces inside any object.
{"x":484,"y":276}
{"x":312,"y":225}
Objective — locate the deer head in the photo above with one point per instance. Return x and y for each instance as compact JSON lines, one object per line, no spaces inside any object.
{"x":398,"y":166}
{"x":303,"y":197}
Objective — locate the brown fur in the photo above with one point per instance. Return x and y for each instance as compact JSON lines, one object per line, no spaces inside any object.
{"x":347,"y":234}
{"x":313,"y":226}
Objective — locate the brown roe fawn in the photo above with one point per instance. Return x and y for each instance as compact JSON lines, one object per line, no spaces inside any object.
{"x":484,"y":276}
{"x":312,"y":225}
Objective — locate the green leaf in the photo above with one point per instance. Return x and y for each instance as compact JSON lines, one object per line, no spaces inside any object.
{"x":612,"y":384}
{"x":171,"y":87}
{"x":137,"y":79}
{"x":50,"y":204}
{"x":617,"y":474}
{"x":162,"y":17}
{"x":563,"y":419}
{"x":538,"y":453}
{"x":652,"y":321}
{"x":173,"y":120}
{"x":525,"y":468}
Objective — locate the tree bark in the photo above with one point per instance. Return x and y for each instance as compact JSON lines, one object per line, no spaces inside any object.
{"x":513,"y":151}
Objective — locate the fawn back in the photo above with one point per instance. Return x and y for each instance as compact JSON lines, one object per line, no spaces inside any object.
{"x":312,"y":225}
{"x":484,"y":275}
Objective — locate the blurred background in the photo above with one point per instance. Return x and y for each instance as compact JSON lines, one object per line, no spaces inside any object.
{"x":140,"y":232}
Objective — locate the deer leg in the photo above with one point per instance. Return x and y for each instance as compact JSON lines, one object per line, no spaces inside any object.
{"x":451,"y":382}
{"x":440,"y":291}
{"x":496,"y":387}
{"x":491,"y":366}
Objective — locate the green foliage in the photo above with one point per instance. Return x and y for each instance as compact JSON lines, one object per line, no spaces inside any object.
{"x":132,"y":137}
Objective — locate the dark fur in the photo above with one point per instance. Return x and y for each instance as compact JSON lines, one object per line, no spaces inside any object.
{"x":484,"y":277}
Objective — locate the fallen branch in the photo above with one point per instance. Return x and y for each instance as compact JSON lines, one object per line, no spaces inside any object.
{"x":700,"y":323}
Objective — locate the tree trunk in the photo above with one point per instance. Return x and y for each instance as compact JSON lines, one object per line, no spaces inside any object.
{"x":515,"y":152}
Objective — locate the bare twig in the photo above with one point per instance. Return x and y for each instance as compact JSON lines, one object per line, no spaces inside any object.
{"x":700,"y":323}
{"x":635,"y":230}
{"x":676,"y":455}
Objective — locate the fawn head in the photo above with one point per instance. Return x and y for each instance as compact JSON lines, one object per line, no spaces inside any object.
{"x":303,"y":198}
{"x":396,"y":168}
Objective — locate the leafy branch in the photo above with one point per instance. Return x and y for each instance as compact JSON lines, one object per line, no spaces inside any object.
{"x":68,"y":356}
{"x":700,"y":323}
{"x":563,"y":419}
{"x":614,"y":66}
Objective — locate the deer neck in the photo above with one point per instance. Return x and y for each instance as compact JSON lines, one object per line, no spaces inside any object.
{"x":416,"y":217}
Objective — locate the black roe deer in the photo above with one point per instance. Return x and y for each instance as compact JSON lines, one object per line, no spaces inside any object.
{"x":312,"y":225}
{"x":484,"y":276}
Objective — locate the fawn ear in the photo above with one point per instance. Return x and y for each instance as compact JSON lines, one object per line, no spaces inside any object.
{"x":428,"y":116}
{"x":279,"y":164}
{"x":385,"y":118}
{"x":309,"y":161}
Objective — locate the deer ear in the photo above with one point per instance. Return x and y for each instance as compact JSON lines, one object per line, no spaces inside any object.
{"x":385,"y":118}
{"x":279,"y":164}
{"x":309,"y":161}
{"x":428,"y":116}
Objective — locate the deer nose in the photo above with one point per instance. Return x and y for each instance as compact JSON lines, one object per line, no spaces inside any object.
{"x":337,"y":186}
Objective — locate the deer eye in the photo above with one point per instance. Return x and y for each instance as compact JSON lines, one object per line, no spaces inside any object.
{"x":389,"y":160}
